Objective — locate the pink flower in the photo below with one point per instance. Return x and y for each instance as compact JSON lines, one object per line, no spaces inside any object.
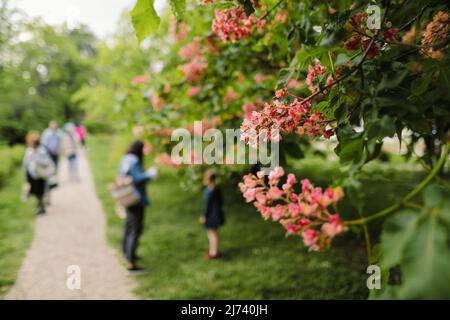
{"x":278,"y":212}
{"x":294,"y":209}
{"x":260,"y":174}
{"x":261,"y":198}
{"x":261,"y":24}
{"x":291,"y":179}
{"x":230,"y":96}
{"x":293,"y":197}
{"x":193,"y":91}
{"x":250,"y":194}
{"x":195,"y":69}
{"x":140,"y":79}
{"x":157,"y":102}
{"x":191,"y":50}
{"x":390,"y":33}
{"x":281,"y":93}
{"x":178,"y":30}
{"x":333,"y":227}
{"x":311,"y":238}
{"x":281,"y":117}
{"x":260,"y":78}
{"x":281,"y":17}
{"x":307,"y":209}
{"x":274,"y":193}
{"x":313,"y":72}
{"x":275,"y":175}
{"x":289,"y":182}
{"x":233,"y":24}
{"x":303,"y":214}
{"x":265,"y":210}
{"x":306,"y":186}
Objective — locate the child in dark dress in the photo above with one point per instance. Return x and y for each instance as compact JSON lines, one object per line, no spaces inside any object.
{"x":213,"y":216}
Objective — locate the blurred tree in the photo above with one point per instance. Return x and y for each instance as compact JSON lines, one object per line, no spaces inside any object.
{"x":42,"y":67}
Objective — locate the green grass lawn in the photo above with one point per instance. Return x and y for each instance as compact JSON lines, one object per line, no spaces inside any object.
{"x":258,"y":260}
{"x":16,"y":229}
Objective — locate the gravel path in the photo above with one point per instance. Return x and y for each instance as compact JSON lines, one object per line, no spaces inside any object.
{"x":72,"y":233}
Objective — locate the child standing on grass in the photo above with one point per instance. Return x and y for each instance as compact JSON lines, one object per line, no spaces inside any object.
{"x":213,"y":216}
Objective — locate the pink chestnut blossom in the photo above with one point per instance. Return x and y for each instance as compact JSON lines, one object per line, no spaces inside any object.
{"x":275,"y":175}
{"x":311,"y":238}
{"x":305,"y":214}
{"x":274,"y":193}
{"x":250,"y":194}
{"x":333,"y":227}
{"x":233,"y":24}
{"x":193,"y":91}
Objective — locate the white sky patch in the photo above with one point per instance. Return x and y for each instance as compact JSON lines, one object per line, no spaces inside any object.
{"x":100,"y":15}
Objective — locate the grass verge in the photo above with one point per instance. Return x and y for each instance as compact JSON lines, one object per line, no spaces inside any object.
{"x":16,"y":229}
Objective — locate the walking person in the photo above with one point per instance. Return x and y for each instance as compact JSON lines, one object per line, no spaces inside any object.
{"x":131,"y":165}
{"x":80,"y":131}
{"x":38,"y":167}
{"x":70,"y":150}
{"x":52,"y":141}
{"x":213,"y":216}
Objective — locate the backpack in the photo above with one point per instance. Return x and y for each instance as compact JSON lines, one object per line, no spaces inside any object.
{"x":43,"y":165}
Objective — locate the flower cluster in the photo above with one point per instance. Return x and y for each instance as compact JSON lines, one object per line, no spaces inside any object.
{"x":193,"y":91}
{"x":304,"y":212}
{"x":281,"y":117}
{"x":260,"y":78}
{"x":178,"y":31}
{"x":435,"y":33}
{"x":233,"y":24}
{"x":140,"y":79}
{"x":156,"y":101}
{"x":313,"y":73}
{"x":206,"y":2}
{"x":197,"y":64}
{"x":361,"y":38}
{"x":230,"y":96}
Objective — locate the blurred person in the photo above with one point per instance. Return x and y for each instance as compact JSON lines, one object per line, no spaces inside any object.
{"x":39,"y":167}
{"x":80,"y":131}
{"x":70,"y":150}
{"x":213,"y":215}
{"x":132,"y":165}
{"x":52,"y":141}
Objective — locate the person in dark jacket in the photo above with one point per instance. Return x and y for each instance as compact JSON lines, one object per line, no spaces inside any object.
{"x":132,"y":165}
{"x":213,"y":216}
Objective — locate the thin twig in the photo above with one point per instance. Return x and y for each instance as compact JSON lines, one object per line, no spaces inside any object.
{"x":271,"y":9}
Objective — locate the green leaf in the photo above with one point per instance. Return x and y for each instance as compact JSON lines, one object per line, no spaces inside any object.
{"x":144,"y":18}
{"x":444,"y":81}
{"x":248,"y":7}
{"x":426,"y":262}
{"x":178,"y":8}
{"x":433,"y":196}
{"x":397,"y":231}
{"x":420,"y":85}
{"x":350,"y":146}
